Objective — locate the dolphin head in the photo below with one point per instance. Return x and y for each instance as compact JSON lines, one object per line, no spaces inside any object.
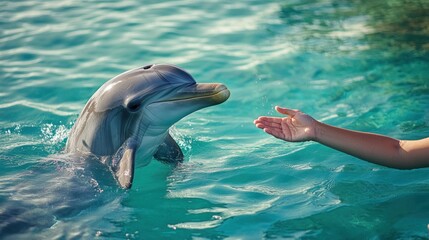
{"x":147,"y":99}
{"x":164,"y":94}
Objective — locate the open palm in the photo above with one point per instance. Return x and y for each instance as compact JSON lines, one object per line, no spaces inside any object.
{"x":297,"y":127}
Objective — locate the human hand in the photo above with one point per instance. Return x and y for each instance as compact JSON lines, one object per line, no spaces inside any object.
{"x":297,"y":127}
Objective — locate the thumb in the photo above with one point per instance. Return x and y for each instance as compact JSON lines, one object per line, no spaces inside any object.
{"x":286,"y":111}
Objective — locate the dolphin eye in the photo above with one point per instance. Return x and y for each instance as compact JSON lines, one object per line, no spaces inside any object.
{"x":134,"y":106}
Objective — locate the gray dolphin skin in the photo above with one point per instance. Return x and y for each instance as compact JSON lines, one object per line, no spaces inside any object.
{"x":134,"y":111}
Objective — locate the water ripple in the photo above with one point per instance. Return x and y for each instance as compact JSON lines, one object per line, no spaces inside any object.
{"x":57,"y":110}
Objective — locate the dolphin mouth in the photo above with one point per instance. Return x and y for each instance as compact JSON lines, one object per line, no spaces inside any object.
{"x":213,"y":93}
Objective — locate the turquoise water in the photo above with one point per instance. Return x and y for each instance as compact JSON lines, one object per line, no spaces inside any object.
{"x":356,"y":64}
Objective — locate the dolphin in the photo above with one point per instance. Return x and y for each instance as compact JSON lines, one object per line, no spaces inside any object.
{"x":134,"y":111}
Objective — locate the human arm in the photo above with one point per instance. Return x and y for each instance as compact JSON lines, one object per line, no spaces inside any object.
{"x":379,"y":149}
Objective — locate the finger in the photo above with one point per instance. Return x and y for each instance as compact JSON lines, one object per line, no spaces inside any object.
{"x":269,"y":128}
{"x":270,"y":124}
{"x":275,"y":133}
{"x":269,"y":119}
{"x":286,"y":111}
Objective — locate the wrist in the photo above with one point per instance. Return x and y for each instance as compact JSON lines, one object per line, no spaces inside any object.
{"x":317,"y":126}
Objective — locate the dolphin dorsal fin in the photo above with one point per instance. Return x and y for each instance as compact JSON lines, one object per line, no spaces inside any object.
{"x":123,"y":165}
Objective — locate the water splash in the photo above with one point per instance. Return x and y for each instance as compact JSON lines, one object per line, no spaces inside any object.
{"x":184,"y":141}
{"x":54,"y":136}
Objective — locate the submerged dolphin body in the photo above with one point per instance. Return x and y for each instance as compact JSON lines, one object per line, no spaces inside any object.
{"x":134,"y":111}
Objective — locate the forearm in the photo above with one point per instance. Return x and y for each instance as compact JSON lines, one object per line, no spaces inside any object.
{"x":374,"y":148}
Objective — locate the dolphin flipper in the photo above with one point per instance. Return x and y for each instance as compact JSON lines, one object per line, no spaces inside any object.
{"x":124,"y":168}
{"x":169,"y":151}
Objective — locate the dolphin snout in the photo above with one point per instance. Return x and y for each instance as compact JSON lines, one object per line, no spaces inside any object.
{"x":221,"y":93}
{"x":220,"y":87}
{"x":214,"y":93}
{"x":187,"y":99}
